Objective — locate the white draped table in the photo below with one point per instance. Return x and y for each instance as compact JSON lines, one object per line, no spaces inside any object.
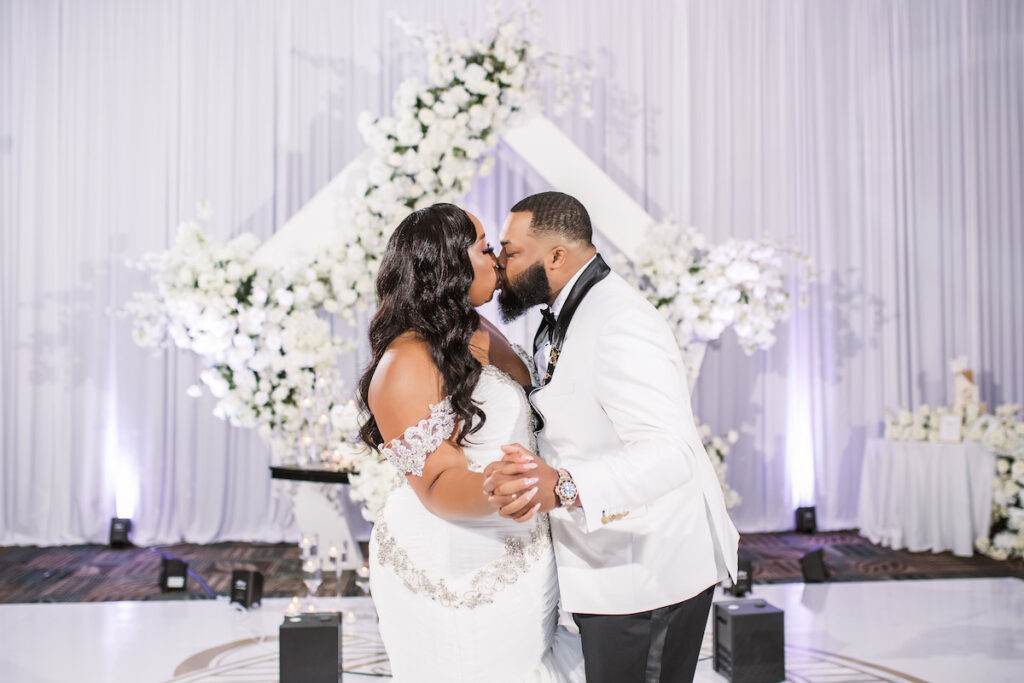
{"x":926,"y":496}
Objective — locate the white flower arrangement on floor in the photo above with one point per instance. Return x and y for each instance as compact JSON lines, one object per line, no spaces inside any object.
{"x":1006,"y":536}
{"x":717,"y":448}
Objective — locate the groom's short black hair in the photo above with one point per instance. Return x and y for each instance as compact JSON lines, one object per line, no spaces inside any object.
{"x":560,"y":213}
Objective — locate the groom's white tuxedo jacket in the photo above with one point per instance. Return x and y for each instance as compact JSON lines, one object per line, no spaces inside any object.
{"x":654,"y":529}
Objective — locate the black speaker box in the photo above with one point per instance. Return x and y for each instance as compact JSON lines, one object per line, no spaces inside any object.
{"x":173,"y":574}
{"x":311,"y":648}
{"x":806,"y":520}
{"x":120,"y":527}
{"x":749,"y":640}
{"x":813,"y":566}
{"x":246,"y":587}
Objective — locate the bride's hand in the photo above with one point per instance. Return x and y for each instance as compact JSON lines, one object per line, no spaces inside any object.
{"x":520,"y":495}
{"x":522,"y":507}
{"x":509,"y":479}
{"x":544,"y":477}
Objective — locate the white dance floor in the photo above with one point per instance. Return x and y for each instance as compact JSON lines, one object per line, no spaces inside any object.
{"x":941,"y":630}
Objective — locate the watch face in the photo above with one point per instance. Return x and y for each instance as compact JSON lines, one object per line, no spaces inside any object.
{"x":567,"y":489}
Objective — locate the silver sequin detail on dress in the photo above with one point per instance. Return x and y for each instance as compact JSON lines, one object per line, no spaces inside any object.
{"x":485,"y":582}
{"x":409,"y":451}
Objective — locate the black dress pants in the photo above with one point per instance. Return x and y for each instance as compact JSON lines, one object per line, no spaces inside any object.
{"x":659,"y":646}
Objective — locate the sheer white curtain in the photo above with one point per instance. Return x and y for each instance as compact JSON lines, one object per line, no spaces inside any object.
{"x":886,"y":139}
{"x":886,"y":136}
{"x":117,"y":118}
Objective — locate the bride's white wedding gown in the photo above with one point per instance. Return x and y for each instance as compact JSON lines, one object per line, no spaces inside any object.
{"x":472,"y":600}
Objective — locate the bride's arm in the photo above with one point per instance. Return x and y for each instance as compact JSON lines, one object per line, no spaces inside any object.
{"x":405,"y":386}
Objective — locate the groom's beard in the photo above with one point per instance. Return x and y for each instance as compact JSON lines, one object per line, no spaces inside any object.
{"x":528,"y":290}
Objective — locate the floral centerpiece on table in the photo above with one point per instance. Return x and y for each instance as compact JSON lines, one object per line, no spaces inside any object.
{"x":999,"y":432}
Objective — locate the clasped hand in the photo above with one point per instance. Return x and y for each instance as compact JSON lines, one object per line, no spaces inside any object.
{"x":520,"y":485}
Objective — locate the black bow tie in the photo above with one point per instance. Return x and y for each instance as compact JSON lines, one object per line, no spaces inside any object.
{"x":549,"y":317}
{"x":546,"y":329}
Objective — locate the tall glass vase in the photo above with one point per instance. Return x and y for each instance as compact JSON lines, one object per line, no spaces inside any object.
{"x":312,"y":575}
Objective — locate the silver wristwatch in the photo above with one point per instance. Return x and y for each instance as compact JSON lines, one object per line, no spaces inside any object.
{"x":565,"y":489}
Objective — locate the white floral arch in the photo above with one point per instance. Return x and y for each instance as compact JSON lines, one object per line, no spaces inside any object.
{"x":255,"y":312}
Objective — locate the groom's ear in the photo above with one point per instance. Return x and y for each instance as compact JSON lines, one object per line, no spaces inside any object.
{"x":557,"y":257}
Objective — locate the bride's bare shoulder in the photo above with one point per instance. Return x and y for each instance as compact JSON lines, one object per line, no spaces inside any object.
{"x":406,"y":373}
{"x":408,"y":343}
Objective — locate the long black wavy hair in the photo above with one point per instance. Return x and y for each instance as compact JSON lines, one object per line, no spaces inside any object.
{"x":423,"y":286}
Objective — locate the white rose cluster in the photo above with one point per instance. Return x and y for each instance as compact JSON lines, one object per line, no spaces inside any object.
{"x":717,"y":448}
{"x":1006,"y":535}
{"x":258,"y":329}
{"x":373,"y":480}
{"x":703,"y":289}
{"x":1000,"y":432}
{"x":440,"y":135}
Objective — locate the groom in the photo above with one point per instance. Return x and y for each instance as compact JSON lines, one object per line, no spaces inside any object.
{"x":638,"y":520}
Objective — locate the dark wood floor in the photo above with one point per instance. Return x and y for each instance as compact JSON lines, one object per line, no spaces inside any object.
{"x":851,"y":557}
{"x":92,"y":573}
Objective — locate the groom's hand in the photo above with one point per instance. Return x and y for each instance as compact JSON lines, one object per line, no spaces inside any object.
{"x":517,"y":493}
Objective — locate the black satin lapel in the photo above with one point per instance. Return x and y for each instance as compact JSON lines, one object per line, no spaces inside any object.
{"x":538,"y":423}
{"x":594,"y":273}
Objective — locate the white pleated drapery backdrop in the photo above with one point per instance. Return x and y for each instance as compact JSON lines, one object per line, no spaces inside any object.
{"x":885,"y":136}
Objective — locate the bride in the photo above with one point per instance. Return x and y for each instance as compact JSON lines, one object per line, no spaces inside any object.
{"x":462,"y":593}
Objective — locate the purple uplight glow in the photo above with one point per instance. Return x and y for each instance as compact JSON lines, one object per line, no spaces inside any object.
{"x":799,"y":439}
{"x":122,"y":474}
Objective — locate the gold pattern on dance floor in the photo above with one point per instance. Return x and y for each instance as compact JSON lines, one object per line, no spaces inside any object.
{"x":255,"y":661}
